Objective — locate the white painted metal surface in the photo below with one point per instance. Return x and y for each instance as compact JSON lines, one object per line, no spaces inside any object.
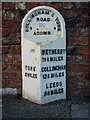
{"x":43,"y":55}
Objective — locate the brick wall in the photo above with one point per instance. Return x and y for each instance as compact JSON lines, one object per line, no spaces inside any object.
{"x":78,"y":55}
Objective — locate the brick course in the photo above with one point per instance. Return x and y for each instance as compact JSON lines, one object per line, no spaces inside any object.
{"x":78,"y":55}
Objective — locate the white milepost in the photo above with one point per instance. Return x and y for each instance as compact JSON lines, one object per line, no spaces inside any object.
{"x":43,"y":55}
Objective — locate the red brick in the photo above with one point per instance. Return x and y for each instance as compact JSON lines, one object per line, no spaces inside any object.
{"x":72,"y":50}
{"x":84,"y":68}
{"x":70,"y":85}
{"x":18,"y":83}
{"x":71,"y":67}
{"x":4,"y":83}
{"x":5,"y":50}
{"x":0,"y":15}
{"x":14,"y":67}
{"x":15,"y":49}
{"x":0,"y":43}
{"x":87,"y":59}
{"x":7,"y":58}
{"x":19,"y":76}
{"x":68,"y":59}
{"x":8,"y":75}
{"x":19,"y":91}
{"x":0,"y":75}
{"x":4,"y":15}
{"x":44,"y":3}
{"x":82,"y":41}
{"x":76,"y":23}
{"x":31,"y":5}
{"x":84,"y":13}
{"x":15,"y":33}
{"x":0,"y":23}
{"x":67,"y":5}
{"x":87,"y":76}
{"x":0,"y":5}
{"x":73,"y":32}
{"x":81,"y":5}
{"x":5,"y":32}
{"x":74,"y":76}
{"x":75,"y":92}
{"x":57,"y":6}
{"x":0,"y":58}
{"x":14,"y":14}
{"x":10,"y":41}
{"x":86,"y":92}
{"x":77,"y":58}
{"x":9,"y":5}
{"x":83,"y":84}
{"x":69,"y":14}
{"x":0,"y":33}
{"x":3,"y":67}
{"x":11,"y":83}
{"x":85,"y":51}
{"x":86,"y":34}
{"x":10,"y":23}
{"x":16,"y":58}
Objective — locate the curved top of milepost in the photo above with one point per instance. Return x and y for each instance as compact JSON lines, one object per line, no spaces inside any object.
{"x":44,"y":27}
{"x":46,"y":7}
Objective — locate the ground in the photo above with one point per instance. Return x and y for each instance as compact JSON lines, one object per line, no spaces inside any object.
{"x":17,"y":107}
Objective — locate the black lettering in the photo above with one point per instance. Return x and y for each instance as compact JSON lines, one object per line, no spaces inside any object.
{"x":51,"y":92}
{"x":50,"y":85}
{"x":34,"y":33}
{"x":43,"y":52}
{"x":60,"y":90}
{"x":48,"y":93}
{"x":60,"y":83}
{"x":47,"y":59}
{"x":29,"y":20}
{"x":32,"y":15}
{"x":25,"y":74}
{"x":59,"y":25}
{"x":41,"y":19}
{"x":58,"y":22}
{"x":45,"y":93}
{"x":34,"y":68}
{"x":49,"y":33}
{"x":45,"y":32}
{"x":37,"y":19}
{"x":25,"y":67}
{"x":34,"y":76}
{"x":41,"y":33}
{"x":52,"y":14}
{"x":44,"y":19}
{"x":59,"y":29}
{"x":47,"y":12}
{"x":55,"y":91}
{"x":61,"y":57}
{"x":35,"y":13}
{"x":53,"y":84}
{"x":48,"y":19}
{"x":37,"y":33}
{"x":56,"y":19}
{"x":62,"y":73}
{"x":52,"y":75}
{"x":42,"y":11}
{"x":57,"y":84}
{"x":47,"y":86}
{"x":39,"y":12}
